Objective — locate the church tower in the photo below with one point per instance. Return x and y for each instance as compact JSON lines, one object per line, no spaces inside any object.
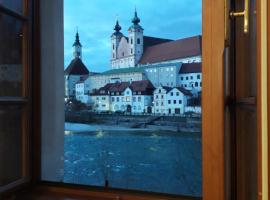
{"x":136,"y":39}
{"x":115,"y":40}
{"x":77,"y":47}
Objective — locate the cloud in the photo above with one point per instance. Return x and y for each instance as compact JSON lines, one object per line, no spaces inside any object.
{"x":95,"y":20}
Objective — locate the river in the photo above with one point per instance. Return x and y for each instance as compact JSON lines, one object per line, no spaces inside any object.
{"x":145,"y":160}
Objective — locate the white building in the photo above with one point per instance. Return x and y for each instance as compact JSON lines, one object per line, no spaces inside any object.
{"x":132,"y":97}
{"x":100,"y":99}
{"x":169,"y":100}
{"x":190,"y":76}
{"x":177,"y":100}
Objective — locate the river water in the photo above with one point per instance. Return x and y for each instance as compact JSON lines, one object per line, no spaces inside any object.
{"x":145,"y":160}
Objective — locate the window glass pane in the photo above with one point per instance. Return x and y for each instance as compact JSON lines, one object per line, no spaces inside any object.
{"x":129,"y":123}
{"x":10,"y":144}
{"x":10,"y":56}
{"x":15,"y":5}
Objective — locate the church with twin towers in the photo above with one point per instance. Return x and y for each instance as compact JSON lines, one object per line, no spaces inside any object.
{"x":136,"y":57}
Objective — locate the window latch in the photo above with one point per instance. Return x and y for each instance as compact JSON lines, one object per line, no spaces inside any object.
{"x":244,"y":14}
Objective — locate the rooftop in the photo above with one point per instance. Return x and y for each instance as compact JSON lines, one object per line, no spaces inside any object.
{"x":191,"y":68}
{"x":172,"y":50}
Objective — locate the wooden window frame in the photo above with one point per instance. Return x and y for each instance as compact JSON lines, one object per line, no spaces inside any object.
{"x":25,"y":99}
{"x":212,"y":99}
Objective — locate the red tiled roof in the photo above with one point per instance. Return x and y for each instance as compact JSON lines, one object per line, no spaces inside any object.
{"x":119,"y":87}
{"x":76,"y":67}
{"x":144,"y":86}
{"x":151,"y":41}
{"x":172,"y":50}
{"x":191,"y":68}
{"x":103,"y":90}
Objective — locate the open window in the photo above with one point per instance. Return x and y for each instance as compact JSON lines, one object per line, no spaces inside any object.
{"x":233,"y":98}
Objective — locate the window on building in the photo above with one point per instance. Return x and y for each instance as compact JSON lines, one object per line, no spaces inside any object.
{"x":169,"y":101}
{"x":162,"y":104}
{"x":159,"y":90}
{"x":113,"y":55}
{"x":180,"y":101}
{"x":198,"y":76}
{"x":113,"y":99}
{"x":177,"y":93}
{"x":162,"y":96}
{"x":131,"y":41}
{"x":139,"y":99}
{"x":171,"y":93}
{"x":97,"y":98}
{"x":113,"y":46}
{"x":131,"y":51}
{"x":138,"y":41}
{"x":156,"y":96}
{"x":134,"y":99}
{"x":186,"y":77}
{"x":123,"y":53}
{"x":182,"y":78}
{"x":117,"y":99}
{"x":156,"y":103}
{"x":196,"y":84}
{"x":200,"y":84}
{"x":174,"y":101}
{"x":191,"y":77}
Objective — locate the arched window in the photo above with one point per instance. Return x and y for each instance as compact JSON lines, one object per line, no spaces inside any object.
{"x":138,"y":41}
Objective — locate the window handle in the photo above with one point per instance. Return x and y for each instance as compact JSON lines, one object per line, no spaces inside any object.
{"x":244,"y":14}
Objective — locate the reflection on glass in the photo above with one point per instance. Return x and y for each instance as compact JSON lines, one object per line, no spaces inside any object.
{"x":10,"y":56}
{"x":15,"y":5}
{"x":10,"y":144}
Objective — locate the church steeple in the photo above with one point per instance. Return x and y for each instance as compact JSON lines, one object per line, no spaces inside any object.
{"x":117,"y":27}
{"x":77,"y":46}
{"x":77,"y":40}
{"x":136,"y":20}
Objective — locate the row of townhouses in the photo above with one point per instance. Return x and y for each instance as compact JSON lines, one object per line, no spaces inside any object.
{"x":139,"y":97}
{"x":172,"y":67}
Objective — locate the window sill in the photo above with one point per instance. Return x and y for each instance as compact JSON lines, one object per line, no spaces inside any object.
{"x":53,"y":192}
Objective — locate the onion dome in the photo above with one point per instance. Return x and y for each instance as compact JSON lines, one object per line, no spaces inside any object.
{"x":117,"y":27}
{"x":136,"y":20}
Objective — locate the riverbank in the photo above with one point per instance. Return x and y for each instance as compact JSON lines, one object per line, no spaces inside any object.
{"x":104,"y":122}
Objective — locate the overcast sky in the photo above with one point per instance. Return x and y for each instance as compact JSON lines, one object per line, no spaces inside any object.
{"x":95,"y":19}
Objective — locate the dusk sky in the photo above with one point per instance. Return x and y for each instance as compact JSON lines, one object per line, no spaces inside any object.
{"x":95,"y":19}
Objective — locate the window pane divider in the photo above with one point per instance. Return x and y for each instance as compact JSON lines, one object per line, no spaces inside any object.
{"x":13,"y":100}
{"x":4,"y":10}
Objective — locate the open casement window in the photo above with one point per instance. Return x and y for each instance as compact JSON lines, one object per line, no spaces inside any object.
{"x":15,"y":93}
{"x":234,"y":103}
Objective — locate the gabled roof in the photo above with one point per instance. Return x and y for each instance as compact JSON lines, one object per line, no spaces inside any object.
{"x":103,"y":90}
{"x":166,"y":88}
{"x":184,"y":91}
{"x":119,"y":87}
{"x":144,"y":86}
{"x":191,"y":68}
{"x":173,"y":50}
{"x":76,"y":67}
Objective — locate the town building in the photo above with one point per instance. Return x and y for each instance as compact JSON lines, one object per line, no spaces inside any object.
{"x":168,"y":100}
{"x":131,"y":97}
